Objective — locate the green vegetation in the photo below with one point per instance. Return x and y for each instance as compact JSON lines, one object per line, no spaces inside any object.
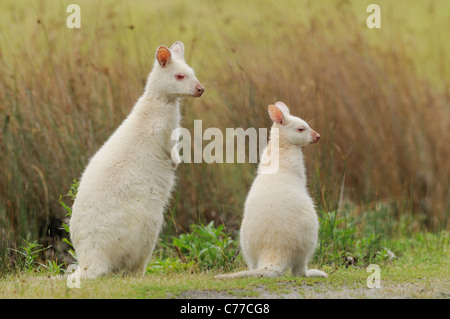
{"x":30,"y":252}
{"x":71,"y":194}
{"x":184,"y":266}
{"x":205,"y":246}
{"x":421,"y":271}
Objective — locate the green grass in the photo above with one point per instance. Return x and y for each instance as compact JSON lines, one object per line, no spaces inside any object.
{"x":421,"y":271}
{"x":183,"y":266}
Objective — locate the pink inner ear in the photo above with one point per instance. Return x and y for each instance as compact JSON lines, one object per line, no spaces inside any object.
{"x":276,"y":115}
{"x":163,"y":55}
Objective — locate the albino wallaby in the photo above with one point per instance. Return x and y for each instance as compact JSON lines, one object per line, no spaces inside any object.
{"x":280,"y":227}
{"x":118,"y":211}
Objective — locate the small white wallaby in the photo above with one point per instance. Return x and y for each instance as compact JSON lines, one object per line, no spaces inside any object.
{"x":280,"y":228}
{"x":118,"y":211}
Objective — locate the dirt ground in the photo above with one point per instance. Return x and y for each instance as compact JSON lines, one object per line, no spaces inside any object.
{"x":431,"y":290}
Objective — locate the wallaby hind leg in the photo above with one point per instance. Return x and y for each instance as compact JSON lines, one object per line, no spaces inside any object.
{"x":94,"y":270}
{"x":315,"y":273}
{"x":301,"y":270}
{"x":94,"y":264}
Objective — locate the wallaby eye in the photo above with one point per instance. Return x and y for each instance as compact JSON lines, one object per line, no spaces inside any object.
{"x":301,"y":129}
{"x":180,"y":76}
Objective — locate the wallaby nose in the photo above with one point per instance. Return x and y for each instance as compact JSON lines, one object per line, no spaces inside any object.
{"x":315,"y":137}
{"x":200,"y":89}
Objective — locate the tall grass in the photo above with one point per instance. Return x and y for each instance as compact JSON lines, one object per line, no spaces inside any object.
{"x":379,"y":99}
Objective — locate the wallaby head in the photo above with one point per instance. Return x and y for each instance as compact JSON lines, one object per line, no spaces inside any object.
{"x":171,"y":76}
{"x":295,"y":130}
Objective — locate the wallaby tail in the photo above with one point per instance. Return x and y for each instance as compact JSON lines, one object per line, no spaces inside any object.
{"x":270,"y":273}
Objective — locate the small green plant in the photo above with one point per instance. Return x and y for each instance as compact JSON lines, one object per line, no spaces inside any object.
{"x":336,"y":236}
{"x":53,"y":267}
{"x":72,"y":193}
{"x":30,"y":253}
{"x":205,"y":247}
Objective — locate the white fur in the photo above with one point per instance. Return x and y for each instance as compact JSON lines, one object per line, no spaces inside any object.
{"x":118,"y":211}
{"x":280,"y":228}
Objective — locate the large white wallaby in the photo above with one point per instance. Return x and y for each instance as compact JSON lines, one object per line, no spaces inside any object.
{"x":280,"y":228}
{"x":118,"y":211}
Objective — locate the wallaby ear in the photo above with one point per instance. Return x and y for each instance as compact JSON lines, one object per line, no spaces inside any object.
{"x":177,"y":49}
{"x":283,"y":107}
{"x":276,"y":115}
{"x":163,"y":55}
